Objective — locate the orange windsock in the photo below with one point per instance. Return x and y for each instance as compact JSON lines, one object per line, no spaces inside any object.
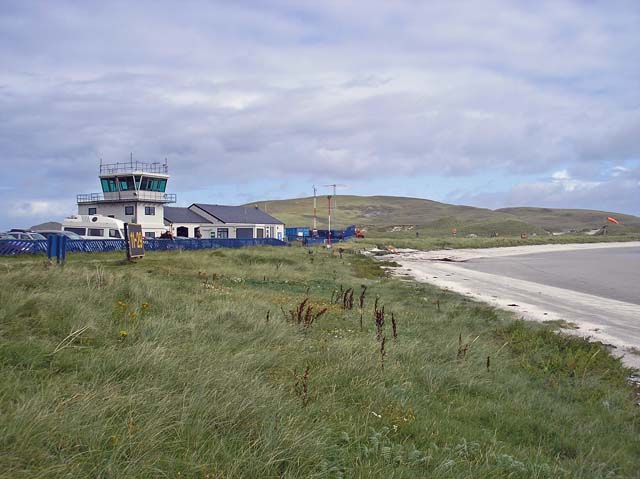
{"x":613,"y":220}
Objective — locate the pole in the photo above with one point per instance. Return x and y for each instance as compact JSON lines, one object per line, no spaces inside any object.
{"x":315,"y":216}
{"x":335,"y":204}
{"x":329,"y":232}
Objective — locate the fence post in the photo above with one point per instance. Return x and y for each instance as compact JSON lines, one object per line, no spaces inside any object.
{"x":52,"y":246}
{"x":62,"y":248}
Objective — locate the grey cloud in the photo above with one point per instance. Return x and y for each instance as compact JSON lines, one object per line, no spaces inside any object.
{"x":620,"y":192}
{"x":241,"y":93}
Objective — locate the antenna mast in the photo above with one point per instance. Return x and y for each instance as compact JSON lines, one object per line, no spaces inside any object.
{"x":329,"y":231}
{"x":315,"y":215}
{"x":334,"y":186}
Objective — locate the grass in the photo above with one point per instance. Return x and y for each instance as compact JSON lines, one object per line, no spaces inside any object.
{"x":184,"y":365}
{"x":427,"y":243}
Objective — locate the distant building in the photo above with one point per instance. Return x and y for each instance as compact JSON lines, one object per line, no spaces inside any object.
{"x":134,"y":192}
{"x":218,"y":221}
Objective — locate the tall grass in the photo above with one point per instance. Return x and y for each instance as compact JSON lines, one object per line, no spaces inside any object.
{"x":203,"y":385}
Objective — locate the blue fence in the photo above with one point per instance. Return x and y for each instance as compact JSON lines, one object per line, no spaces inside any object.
{"x":292,"y":234}
{"x":13,"y":247}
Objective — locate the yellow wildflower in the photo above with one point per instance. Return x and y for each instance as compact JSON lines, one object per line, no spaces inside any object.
{"x":124,"y":334}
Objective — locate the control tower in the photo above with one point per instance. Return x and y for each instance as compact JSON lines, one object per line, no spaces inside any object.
{"x":133,"y":192}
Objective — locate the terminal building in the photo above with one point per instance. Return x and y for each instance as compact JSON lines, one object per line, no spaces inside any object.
{"x":222,"y":222}
{"x":135,"y":192}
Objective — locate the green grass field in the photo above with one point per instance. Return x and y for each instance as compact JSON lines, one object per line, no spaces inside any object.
{"x":408,"y":239}
{"x":189,"y":364}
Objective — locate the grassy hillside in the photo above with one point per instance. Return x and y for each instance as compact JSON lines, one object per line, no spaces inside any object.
{"x":557,"y":219}
{"x":198,"y":365}
{"x":381,"y":213}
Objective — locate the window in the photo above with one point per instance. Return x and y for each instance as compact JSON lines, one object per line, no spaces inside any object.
{"x":212,"y":234}
{"x":150,"y":210}
{"x":153,"y":184}
{"x":108,"y":185}
{"x":137,"y":180}
{"x":93,"y":211}
{"x":78,"y":231}
{"x":126,"y":183}
{"x":114,"y":233}
{"x":128,"y":210}
{"x":149,"y":234}
{"x":96,"y":232}
{"x":223,"y":233}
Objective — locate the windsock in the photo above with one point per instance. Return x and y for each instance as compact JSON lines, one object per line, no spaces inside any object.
{"x":613,"y":220}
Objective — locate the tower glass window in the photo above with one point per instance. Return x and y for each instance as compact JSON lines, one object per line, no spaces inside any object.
{"x":126,"y":183}
{"x":153,"y":184}
{"x":108,"y":185}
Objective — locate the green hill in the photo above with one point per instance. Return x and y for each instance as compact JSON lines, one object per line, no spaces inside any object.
{"x":387,"y":213}
{"x":558,"y":219}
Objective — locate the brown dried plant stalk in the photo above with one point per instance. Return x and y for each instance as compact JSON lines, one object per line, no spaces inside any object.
{"x":394,"y":327}
{"x":301,"y":385}
{"x":363,"y":295}
{"x":304,"y":314}
{"x":379,"y":317}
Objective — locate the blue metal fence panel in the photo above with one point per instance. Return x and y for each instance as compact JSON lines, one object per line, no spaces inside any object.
{"x":12,"y":247}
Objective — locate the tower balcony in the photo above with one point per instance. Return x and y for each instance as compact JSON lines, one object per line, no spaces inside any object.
{"x":149,"y":196}
{"x":134,"y":167}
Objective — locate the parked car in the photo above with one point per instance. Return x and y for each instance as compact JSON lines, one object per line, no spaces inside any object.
{"x":69,"y":234}
{"x":25,"y":235}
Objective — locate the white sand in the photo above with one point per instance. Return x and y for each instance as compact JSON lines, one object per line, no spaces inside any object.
{"x":613,"y":322}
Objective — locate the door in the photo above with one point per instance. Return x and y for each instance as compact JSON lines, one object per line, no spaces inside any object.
{"x":244,"y":233}
{"x":183,"y":231}
{"x":259,"y":233}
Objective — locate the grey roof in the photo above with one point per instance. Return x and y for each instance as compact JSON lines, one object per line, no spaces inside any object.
{"x":239,"y":214}
{"x":182,"y":215}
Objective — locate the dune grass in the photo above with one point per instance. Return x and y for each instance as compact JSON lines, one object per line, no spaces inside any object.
{"x":188,"y":364}
{"x":425,"y":242}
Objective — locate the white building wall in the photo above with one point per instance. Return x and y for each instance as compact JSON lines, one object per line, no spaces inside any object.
{"x":278,"y":229}
{"x":191,"y":228}
{"x":149,"y":223}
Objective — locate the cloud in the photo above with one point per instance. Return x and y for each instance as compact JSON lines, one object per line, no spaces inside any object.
{"x":618,"y":191}
{"x":245,"y":93}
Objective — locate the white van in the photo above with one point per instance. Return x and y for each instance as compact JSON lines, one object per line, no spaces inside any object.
{"x":94,"y":226}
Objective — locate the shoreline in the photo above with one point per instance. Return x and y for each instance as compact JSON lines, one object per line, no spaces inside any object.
{"x":592,"y":317}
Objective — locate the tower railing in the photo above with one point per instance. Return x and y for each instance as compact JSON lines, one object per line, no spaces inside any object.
{"x":130,"y":196}
{"x":134,"y":167}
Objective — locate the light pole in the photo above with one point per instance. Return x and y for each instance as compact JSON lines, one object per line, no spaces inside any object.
{"x":329,"y":232}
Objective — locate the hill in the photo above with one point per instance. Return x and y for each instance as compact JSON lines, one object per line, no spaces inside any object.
{"x":386,"y":213}
{"x":50,"y":225}
{"x":558,"y":219}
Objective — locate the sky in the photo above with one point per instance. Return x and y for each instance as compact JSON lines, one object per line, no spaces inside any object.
{"x":490,"y":104}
